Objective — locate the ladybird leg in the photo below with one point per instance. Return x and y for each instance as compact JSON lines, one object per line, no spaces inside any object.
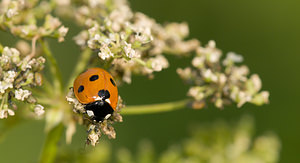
{"x":91,"y":127}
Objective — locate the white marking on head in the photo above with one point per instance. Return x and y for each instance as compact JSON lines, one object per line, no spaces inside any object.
{"x":90,"y":113}
{"x":107,"y":100}
{"x":97,"y":98}
{"x":107,"y":116}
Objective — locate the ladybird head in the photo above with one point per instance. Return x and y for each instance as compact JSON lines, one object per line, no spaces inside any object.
{"x":99,"y":110}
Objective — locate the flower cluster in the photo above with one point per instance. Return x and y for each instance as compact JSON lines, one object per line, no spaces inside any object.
{"x":125,"y":43}
{"x":222,"y":142}
{"x":95,"y":129}
{"x":129,"y":42}
{"x":21,"y":18}
{"x":223,"y":82}
{"x":18,"y":74}
{"x":217,"y":142}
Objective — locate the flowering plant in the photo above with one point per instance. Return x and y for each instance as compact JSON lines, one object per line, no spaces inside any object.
{"x":123,"y":42}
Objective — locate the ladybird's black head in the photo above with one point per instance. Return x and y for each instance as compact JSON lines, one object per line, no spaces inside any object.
{"x":99,"y":110}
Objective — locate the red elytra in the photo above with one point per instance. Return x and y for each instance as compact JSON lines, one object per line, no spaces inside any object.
{"x":96,"y":84}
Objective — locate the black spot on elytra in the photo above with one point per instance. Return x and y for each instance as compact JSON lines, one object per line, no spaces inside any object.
{"x":112,"y":82}
{"x":94,"y":77}
{"x":80,"y":89}
{"x":104,"y":94}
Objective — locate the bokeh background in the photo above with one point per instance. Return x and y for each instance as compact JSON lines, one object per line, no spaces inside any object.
{"x":266,"y":33}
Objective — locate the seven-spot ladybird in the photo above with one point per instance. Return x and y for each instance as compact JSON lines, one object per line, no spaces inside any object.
{"x":97,"y":90}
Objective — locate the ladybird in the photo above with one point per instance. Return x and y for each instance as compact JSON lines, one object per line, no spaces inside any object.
{"x":97,"y":90}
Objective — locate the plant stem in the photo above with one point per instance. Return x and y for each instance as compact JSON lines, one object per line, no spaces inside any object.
{"x":140,"y":61}
{"x":155,"y":108}
{"x":50,"y":147}
{"x":1,"y":48}
{"x":54,"y":69}
{"x":80,"y":66}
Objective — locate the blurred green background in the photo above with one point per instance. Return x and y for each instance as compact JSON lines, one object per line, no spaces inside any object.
{"x":266,"y":33}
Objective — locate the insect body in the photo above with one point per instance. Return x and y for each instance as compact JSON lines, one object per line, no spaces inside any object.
{"x":97,"y":90}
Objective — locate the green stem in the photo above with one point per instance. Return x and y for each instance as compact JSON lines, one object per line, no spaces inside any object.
{"x":140,"y":61}
{"x":4,"y":100}
{"x":54,"y":69}
{"x":80,"y":66}
{"x":1,"y":48}
{"x":155,"y":108}
{"x":50,"y":147}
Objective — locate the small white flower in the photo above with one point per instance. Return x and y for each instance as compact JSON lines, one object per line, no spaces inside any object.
{"x":97,"y":37}
{"x":211,"y":52}
{"x":93,"y":31}
{"x":142,"y":35}
{"x":222,"y":79}
{"x":232,"y":57}
{"x":243,"y":97}
{"x":39,"y":110}
{"x":52,"y":22}
{"x":105,"y":53}
{"x":214,"y":57}
{"x":63,"y":31}
{"x":256,"y":82}
{"x":11,"y":12}
{"x":198,"y":62}
{"x":6,"y":51}
{"x":129,"y":52}
{"x":159,"y":63}
{"x":4,"y":113}
{"x":178,"y":30}
{"x":41,"y":59}
{"x":73,"y":100}
{"x":92,"y":43}
{"x":4,"y":59}
{"x":196,"y":93}
{"x":209,"y":75}
{"x":4,"y":86}
{"x":81,"y":38}
{"x":113,"y":36}
{"x":21,"y":94}
{"x":185,"y":73}
{"x":9,"y":77}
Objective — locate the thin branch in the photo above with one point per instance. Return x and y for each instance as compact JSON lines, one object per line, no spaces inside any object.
{"x":155,"y":108}
{"x":54,"y":69}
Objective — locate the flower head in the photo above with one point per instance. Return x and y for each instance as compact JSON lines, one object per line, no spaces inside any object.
{"x":223,"y":83}
{"x":18,"y":75}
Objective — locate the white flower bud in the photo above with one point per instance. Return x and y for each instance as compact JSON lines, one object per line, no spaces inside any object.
{"x":4,"y":113}
{"x":39,"y":110}
{"x":232,"y":57}
{"x":129,"y":52}
{"x":21,"y":94}
{"x":105,"y":53}
{"x":159,"y":63}
{"x":198,"y":62}
{"x":209,"y":75}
